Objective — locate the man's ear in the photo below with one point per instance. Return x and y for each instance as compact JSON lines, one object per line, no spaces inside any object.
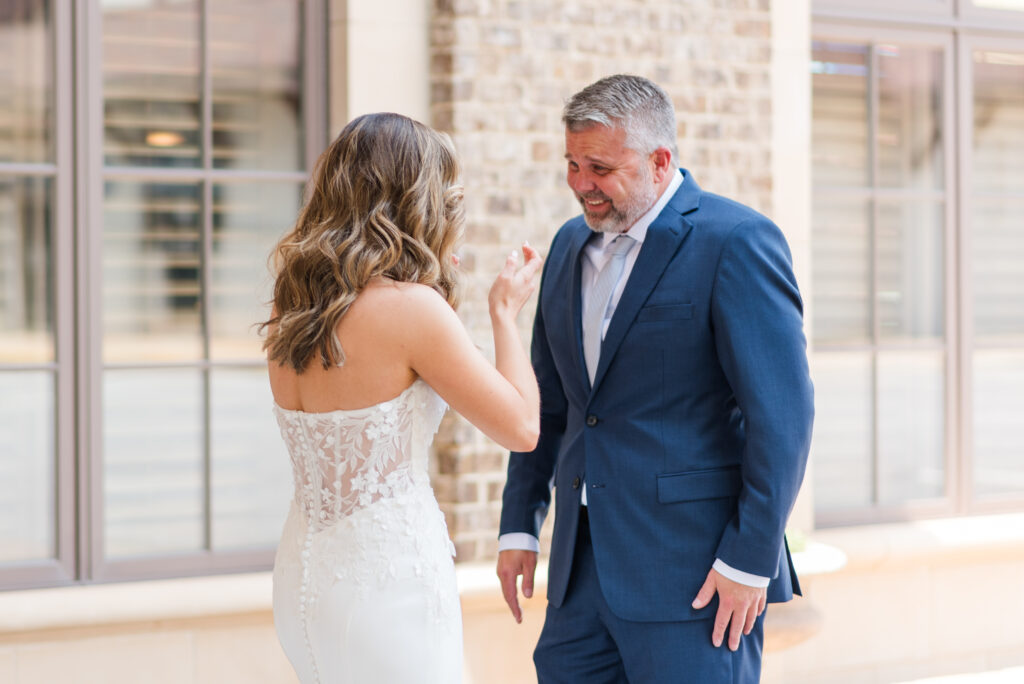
{"x":662,"y":160}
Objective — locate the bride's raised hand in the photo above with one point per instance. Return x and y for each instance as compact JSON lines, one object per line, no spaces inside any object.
{"x":514,"y":285}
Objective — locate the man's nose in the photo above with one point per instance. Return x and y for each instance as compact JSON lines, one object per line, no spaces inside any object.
{"x":581,"y":182}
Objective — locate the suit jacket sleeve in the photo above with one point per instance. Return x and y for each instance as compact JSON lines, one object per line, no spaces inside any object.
{"x":758,"y":326}
{"x":527,"y":494}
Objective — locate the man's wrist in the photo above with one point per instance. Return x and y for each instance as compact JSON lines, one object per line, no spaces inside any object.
{"x":518,"y":541}
{"x":738,"y":576}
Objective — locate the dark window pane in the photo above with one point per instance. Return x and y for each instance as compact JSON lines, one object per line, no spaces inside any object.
{"x":841,"y":270}
{"x":911,"y":419}
{"x":151,"y":83}
{"x":843,"y":428}
{"x":248,"y":220}
{"x":255,"y":60}
{"x":998,"y":407}
{"x":910,"y":135}
{"x":26,"y":82}
{"x":997,"y":241}
{"x":28,"y":508}
{"x":998,"y":141}
{"x":911,"y":263}
{"x":251,"y":478}
{"x":152,"y":462}
{"x":151,"y":272}
{"x":26,"y":270}
{"x":840,"y":143}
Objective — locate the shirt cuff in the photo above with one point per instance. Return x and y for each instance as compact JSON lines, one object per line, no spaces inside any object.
{"x":518,"y":540}
{"x":738,"y":575}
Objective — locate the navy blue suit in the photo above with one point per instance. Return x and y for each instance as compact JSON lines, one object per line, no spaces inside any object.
{"x":692,"y":441}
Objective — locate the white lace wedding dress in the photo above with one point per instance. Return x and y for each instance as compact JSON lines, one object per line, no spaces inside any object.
{"x":364,"y":584}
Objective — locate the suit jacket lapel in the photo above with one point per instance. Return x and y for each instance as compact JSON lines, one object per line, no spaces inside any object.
{"x":663,"y":239}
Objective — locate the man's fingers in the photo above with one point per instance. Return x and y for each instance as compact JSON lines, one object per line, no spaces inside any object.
{"x":752,"y":613}
{"x":706,"y":593}
{"x":721,"y":623}
{"x":736,"y":631}
{"x":508,"y":590}
{"x":528,"y":573}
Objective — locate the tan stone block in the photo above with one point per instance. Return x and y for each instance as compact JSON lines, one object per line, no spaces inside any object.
{"x":469,"y":491}
{"x":250,"y":654}
{"x":8,"y":664}
{"x":154,"y":658}
{"x":886,"y":614}
{"x":465,"y":551}
{"x":505,"y":206}
{"x":987,"y":599}
{"x":491,"y":461}
{"x":497,"y":650}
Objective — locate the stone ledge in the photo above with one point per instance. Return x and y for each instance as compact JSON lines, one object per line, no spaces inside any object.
{"x":863,"y":548}
{"x":104,"y":605}
{"x":192,"y":598}
{"x":948,"y":540}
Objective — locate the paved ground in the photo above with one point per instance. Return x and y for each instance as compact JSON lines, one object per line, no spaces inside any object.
{"x":1013,"y":675}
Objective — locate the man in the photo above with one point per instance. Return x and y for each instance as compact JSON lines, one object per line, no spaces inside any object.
{"x":676,"y":414}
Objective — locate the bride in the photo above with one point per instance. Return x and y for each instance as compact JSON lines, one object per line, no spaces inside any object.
{"x":364,"y":350}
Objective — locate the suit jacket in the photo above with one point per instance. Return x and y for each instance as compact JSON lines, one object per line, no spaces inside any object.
{"x":693,"y":439}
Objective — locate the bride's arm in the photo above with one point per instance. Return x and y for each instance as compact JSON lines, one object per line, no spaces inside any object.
{"x":502,"y":399}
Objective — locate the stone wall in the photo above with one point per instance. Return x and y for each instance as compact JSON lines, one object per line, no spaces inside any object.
{"x":500,"y":73}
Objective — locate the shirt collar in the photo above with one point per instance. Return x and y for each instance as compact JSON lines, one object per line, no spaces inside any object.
{"x":638,"y":231}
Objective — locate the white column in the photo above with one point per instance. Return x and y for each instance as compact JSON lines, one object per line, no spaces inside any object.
{"x":379,"y":59}
{"x":791,"y":165}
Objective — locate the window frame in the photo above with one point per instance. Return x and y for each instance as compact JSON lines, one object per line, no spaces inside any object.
{"x":313,"y":42}
{"x":79,"y":175}
{"x":967,"y":42}
{"x":873,"y":194}
{"x":61,"y":567}
{"x":970,"y":29}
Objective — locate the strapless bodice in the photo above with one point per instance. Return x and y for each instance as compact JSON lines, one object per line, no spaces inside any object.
{"x":346,"y":460}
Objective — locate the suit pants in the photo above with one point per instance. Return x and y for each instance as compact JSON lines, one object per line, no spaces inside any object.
{"x":583,"y":642}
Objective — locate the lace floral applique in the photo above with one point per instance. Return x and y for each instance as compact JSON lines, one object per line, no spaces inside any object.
{"x":362,"y":485}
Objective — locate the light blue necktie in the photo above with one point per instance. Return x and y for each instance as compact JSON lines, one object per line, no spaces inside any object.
{"x":600,"y":298}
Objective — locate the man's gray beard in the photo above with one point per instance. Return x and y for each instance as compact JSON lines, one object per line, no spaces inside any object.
{"x":621,"y":220}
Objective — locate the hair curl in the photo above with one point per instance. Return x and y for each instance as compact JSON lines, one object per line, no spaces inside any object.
{"x":383,"y":200}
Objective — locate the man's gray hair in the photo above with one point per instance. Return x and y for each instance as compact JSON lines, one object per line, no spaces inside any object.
{"x":633,"y":103}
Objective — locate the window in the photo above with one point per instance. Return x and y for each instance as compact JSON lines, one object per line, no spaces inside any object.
{"x":918,"y":316}
{"x":996,"y":262}
{"x":35,"y":369}
{"x":879,"y":277}
{"x":135,"y":420}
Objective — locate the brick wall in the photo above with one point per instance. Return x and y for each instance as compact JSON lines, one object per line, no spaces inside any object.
{"x":500,"y":73}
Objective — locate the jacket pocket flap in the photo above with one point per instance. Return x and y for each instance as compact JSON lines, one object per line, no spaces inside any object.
{"x":699,"y":484}
{"x":665,"y":312}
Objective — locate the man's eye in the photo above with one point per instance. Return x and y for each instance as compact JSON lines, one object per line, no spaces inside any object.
{"x":600,"y":170}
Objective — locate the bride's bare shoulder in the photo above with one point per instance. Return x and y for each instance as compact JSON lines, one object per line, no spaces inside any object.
{"x":399,"y":294}
{"x":401,"y":304}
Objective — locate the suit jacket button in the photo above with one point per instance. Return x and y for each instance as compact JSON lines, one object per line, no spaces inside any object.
{"x":591,"y":420}
{"x":575,"y":483}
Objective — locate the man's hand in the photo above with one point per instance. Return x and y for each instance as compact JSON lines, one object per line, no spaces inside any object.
{"x":511,"y":564}
{"x":737,"y":603}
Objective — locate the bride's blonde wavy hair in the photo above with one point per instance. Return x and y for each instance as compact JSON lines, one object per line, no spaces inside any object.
{"x":383,"y":200}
